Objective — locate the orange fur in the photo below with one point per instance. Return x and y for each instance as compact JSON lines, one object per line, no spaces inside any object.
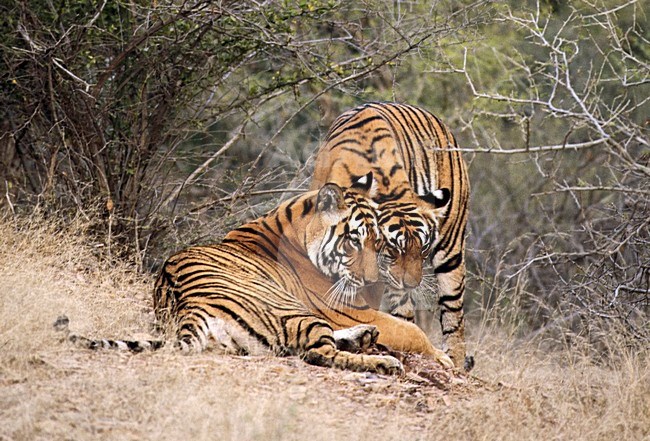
{"x":407,"y":150}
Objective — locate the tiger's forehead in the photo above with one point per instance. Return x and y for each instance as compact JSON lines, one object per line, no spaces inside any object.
{"x":363,"y":214}
{"x":358,"y":201}
{"x":398,"y":209}
{"x":401,"y":223}
{"x":361,"y":208}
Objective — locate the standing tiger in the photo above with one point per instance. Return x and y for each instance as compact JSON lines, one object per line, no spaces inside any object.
{"x":421,"y":188}
{"x":268,"y":287}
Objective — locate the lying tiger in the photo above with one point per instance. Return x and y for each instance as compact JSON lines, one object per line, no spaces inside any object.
{"x":268,"y":287}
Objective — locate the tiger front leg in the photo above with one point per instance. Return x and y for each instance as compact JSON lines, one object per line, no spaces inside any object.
{"x":356,"y":339}
{"x":329,"y":356}
{"x":321,"y":350}
{"x":401,"y":335}
{"x":452,"y":317}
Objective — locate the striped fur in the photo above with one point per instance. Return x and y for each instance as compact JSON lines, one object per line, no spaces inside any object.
{"x":422,"y":190}
{"x":284,"y":284}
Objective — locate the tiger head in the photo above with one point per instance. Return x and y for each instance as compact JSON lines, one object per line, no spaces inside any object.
{"x":410,"y":232}
{"x":343,"y":237}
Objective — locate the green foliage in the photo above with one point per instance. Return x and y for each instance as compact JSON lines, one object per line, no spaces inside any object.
{"x":123,"y":102}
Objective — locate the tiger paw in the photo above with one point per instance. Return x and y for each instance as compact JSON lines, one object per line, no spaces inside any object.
{"x":357,"y":338}
{"x":386,"y":364}
{"x":443,"y":359}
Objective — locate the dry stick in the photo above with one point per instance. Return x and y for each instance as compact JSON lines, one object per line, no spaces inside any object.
{"x":110,"y":206}
{"x":110,"y":233}
{"x":135,"y":42}
{"x":369,"y":69}
{"x":138,"y":252}
{"x":192,"y":177}
{"x":207,"y":205}
{"x":592,"y":188}
{"x":11,"y":206}
{"x":536,"y":149}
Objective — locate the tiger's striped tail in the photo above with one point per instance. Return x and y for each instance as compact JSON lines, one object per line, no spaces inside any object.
{"x":62,"y":325}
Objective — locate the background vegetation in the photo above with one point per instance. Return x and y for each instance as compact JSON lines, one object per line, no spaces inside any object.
{"x":162,"y":124}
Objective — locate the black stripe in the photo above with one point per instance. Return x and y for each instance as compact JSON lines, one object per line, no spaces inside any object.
{"x":377,"y":138}
{"x":345,"y":141}
{"x":449,"y":309}
{"x":393,"y":195}
{"x":363,"y":122}
{"x":191,"y":327}
{"x":278,"y":225}
{"x":257,"y":234}
{"x":451,"y":330}
{"x":325,"y":340}
{"x":288,"y":212}
{"x":455,"y":234}
{"x":450,"y":264}
{"x":316,"y":324}
{"x":134,"y":346}
{"x":307,"y":206}
{"x":451,"y":297}
{"x":364,"y":155}
{"x":394,"y":169}
{"x":343,"y":119}
{"x":188,"y":273}
{"x":400,"y":125}
{"x":239,"y":320}
{"x":426,"y":172}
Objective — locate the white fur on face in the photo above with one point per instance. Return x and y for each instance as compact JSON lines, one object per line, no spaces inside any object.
{"x":393,"y":239}
{"x":359,"y":227}
{"x":322,"y":246}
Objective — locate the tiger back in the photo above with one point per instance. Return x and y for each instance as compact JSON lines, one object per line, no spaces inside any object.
{"x":422,"y":189}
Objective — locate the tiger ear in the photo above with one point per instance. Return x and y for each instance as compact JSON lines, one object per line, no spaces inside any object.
{"x":363,"y":183}
{"x":330,"y":197}
{"x":438,"y":198}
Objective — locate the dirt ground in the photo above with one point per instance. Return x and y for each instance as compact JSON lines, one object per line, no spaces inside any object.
{"x":51,"y":390}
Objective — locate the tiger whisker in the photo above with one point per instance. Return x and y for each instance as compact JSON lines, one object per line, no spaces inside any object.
{"x":350,"y":293}
{"x":333,"y":295}
{"x":425,"y":296}
{"x":341,"y":293}
{"x":429,"y":277}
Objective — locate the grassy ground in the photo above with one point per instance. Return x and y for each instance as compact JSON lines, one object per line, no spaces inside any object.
{"x":50,"y":390}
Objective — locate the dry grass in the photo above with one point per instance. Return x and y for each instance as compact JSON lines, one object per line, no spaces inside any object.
{"x":50,"y":390}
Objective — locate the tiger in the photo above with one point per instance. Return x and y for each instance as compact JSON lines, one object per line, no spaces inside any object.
{"x":421,"y":186}
{"x":284,"y":284}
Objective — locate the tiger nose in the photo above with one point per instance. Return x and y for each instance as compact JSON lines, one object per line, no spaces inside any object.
{"x":412,"y":281}
{"x":371,"y":275}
